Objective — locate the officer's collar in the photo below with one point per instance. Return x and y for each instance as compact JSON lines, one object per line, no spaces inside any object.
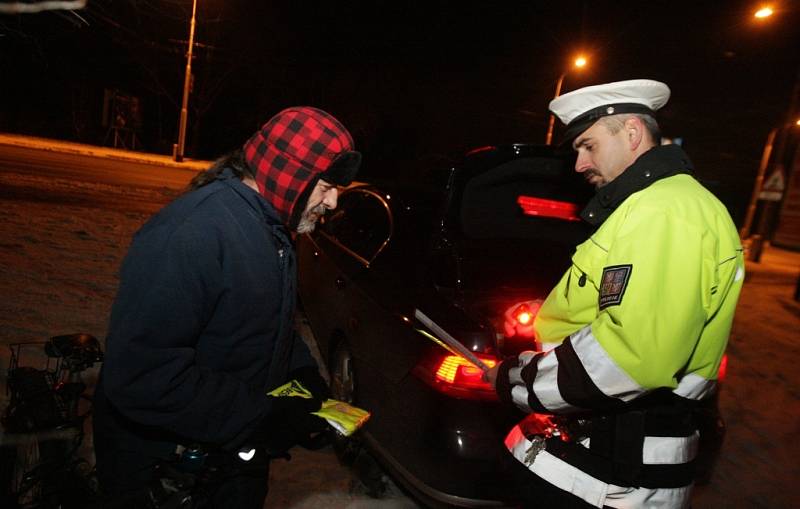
{"x":655,"y":164}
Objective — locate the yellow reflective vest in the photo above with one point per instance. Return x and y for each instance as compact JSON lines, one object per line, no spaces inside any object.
{"x":657,"y":283}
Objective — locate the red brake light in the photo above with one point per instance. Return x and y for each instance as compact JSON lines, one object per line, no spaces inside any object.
{"x":723,"y":368}
{"x":523,"y":314}
{"x":548,"y":208}
{"x":455,"y":376}
{"x":459,"y":371}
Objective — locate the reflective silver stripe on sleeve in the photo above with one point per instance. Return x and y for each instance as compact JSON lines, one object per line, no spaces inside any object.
{"x":694,"y":386}
{"x":514,"y":374}
{"x":546,"y":347}
{"x":526,"y":357}
{"x":519,"y":395}
{"x":519,"y":389}
{"x":604,"y":372}
{"x":545,"y":387}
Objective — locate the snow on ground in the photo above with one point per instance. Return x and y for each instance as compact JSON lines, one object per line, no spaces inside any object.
{"x":61,"y":244}
{"x":59,"y":260}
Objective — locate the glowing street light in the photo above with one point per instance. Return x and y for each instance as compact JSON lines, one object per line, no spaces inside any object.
{"x":579,"y":63}
{"x":764,"y":12}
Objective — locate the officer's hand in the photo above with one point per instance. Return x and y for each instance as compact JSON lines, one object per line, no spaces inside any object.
{"x":519,"y":318}
{"x":491,"y":375}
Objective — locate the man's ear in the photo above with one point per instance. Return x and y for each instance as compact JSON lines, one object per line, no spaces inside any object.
{"x":634,"y":132}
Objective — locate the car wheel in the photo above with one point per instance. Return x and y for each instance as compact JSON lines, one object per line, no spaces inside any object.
{"x":343,"y":388}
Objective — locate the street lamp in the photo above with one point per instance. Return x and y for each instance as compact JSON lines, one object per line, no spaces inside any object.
{"x":187,"y":81}
{"x":579,"y":63}
{"x":764,"y":12}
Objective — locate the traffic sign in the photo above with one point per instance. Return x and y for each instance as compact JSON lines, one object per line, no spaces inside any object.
{"x":773,"y":187}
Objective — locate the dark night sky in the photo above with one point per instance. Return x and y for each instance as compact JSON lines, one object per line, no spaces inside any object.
{"x":410,"y":79}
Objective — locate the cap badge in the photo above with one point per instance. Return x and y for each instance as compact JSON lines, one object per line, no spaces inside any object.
{"x":610,"y":110}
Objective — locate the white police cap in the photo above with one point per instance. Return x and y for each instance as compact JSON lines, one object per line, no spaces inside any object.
{"x":581,"y":108}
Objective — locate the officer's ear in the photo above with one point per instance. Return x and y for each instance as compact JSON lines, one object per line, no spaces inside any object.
{"x":634,"y":132}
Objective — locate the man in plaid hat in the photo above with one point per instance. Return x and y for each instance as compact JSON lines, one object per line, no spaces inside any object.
{"x":202,"y":325}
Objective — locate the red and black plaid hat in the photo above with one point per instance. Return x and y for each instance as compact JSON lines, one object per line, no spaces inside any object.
{"x":295,"y":148}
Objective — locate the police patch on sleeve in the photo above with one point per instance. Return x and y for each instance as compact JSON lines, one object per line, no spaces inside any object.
{"x":613,"y":284}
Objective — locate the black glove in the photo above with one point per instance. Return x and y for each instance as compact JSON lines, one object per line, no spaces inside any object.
{"x":289,"y":423}
{"x":311,"y":379}
{"x":502,"y":382}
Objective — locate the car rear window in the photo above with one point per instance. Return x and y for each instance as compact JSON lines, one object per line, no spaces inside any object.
{"x":491,"y":205}
{"x":502,"y":246}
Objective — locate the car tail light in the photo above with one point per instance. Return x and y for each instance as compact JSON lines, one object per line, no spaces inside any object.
{"x":523,"y":314}
{"x":455,"y":376}
{"x":723,"y":368}
{"x":548,"y":208}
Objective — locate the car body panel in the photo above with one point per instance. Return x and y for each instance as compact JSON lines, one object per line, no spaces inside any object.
{"x":362,"y":276}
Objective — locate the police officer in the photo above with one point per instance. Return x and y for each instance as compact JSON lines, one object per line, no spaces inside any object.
{"x":633,"y":335}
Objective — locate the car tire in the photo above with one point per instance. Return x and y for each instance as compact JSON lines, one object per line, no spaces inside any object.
{"x":343,"y":388}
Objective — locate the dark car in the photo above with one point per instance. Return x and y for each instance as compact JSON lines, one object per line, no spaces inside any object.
{"x":455,"y":246}
{"x":458,"y":245}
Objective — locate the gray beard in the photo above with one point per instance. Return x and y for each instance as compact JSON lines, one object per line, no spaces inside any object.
{"x":307,"y":224}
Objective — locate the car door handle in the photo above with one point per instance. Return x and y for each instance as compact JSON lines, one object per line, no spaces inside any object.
{"x":340,"y":283}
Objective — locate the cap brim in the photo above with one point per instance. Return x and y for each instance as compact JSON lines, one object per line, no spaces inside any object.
{"x":574,"y":130}
{"x":343,"y":169}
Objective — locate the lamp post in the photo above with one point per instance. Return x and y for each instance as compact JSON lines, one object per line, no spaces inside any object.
{"x":776,"y":142}
{"x":187,"y":81}
{"x":744,"y":232}
{"x":578,"y":63}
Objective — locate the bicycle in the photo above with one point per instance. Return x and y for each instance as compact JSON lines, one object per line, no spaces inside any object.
{"x":40,"y":467}
{"x":44,"y":426}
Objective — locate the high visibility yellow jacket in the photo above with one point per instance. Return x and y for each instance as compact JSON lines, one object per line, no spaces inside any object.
{"x":656,"y":285}
{"x":645,"y":308}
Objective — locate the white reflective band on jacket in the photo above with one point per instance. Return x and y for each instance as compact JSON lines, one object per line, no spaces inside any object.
{"x":601,"y":368}
{"x":657,"y":450}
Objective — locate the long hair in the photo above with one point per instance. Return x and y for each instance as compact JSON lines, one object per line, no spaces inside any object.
{"x":233,"y":160}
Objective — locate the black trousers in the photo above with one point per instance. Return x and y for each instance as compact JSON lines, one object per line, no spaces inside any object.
{"x":128,"y":479}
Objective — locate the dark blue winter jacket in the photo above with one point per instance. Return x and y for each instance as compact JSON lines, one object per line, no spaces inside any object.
{"x":202,"y":325}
